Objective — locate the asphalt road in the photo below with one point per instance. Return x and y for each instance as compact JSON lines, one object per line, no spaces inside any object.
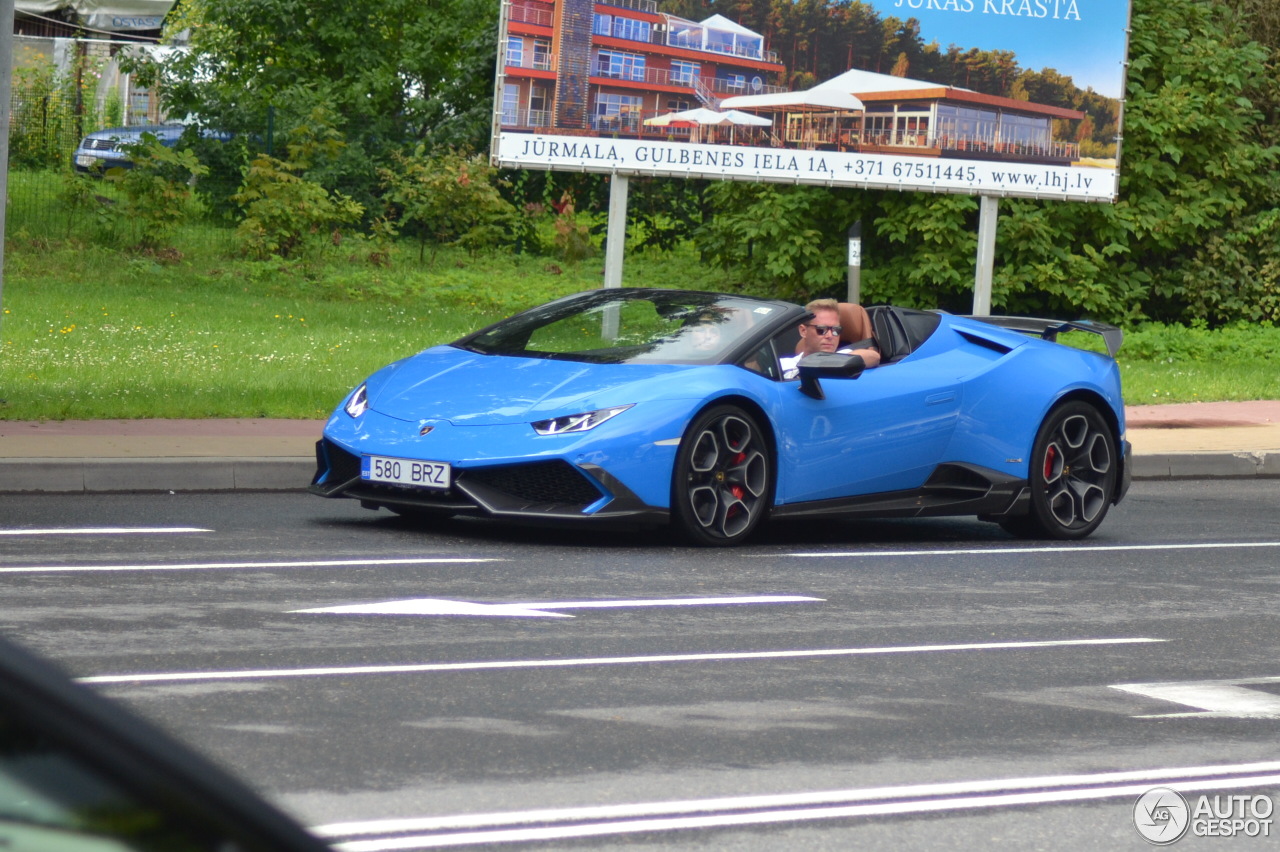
{"x":1006,"y":693}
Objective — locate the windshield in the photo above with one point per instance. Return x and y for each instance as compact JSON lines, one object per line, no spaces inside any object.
{"x":628,"y":327}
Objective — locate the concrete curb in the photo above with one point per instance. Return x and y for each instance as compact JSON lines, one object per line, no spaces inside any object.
{"x":165,"y":474}
{"x":1206,"y":465}
{"x":56,"y":475}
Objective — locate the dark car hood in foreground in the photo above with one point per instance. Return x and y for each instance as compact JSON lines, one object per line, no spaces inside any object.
{"x":470,"y":389}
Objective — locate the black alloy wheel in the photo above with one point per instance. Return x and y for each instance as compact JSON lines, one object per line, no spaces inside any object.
{"x":1073,"y":475}
{"x":722,"y":485}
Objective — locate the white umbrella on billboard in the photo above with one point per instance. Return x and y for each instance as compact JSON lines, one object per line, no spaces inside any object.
{"x":701,"y":115}
{"x":708,"y":117}
{"x":746,"y":119}
{"x":695,"y":118}
{"x":737,"y":118}
{"x":667,"y":120}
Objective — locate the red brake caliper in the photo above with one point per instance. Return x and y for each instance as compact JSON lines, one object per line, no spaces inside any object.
{"x":1048,"y":462}
{"x":737,"y":490}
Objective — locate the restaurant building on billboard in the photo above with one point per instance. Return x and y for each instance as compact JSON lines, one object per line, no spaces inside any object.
{"x":585,"y":67}
{"x":882,"y":114}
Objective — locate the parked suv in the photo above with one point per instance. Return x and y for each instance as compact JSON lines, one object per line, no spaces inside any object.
{"x":105,"y":149}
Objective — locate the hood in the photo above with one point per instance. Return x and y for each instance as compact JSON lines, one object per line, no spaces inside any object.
{"x":470,"y":389}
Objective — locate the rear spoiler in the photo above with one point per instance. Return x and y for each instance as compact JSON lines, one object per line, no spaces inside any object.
{"x":1050,"y":329}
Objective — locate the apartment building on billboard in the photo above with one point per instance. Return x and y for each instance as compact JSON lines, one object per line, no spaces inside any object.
{"x":600,"y":67}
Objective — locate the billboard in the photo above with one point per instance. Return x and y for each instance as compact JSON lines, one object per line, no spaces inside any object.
{"x":991,"y":97}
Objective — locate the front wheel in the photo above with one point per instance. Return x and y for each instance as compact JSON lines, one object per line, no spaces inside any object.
{"x":1073,"y":475}
{"x":722,"y":485}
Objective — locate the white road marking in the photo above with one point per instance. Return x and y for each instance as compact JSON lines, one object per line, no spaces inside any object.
{"x":997,"y":551}
{"x":106,"y":531}
{"x":343,"y":671}
{"x":1216,"y":699}
{"x":436,"y":606}
{"x":198,"y":566}
{"x":560,"y":823}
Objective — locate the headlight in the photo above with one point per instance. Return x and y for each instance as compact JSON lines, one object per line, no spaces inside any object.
{"x":577,"y":422}
{"x":359,"y":402}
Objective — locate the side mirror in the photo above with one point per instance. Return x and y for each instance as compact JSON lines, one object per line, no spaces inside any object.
{"x":78,"y":771}
{"x":827,"y":365}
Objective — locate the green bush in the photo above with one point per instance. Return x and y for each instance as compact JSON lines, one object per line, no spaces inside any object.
{"x":447,"y":198}
{"x":282,"y":209}
{"x":157,"y":190}
{"x":572,"y":236}
{"x":226,"y":161}
{"x":80,"y":198}
{"x":1179,"y":343}
{"x":1236,"y":274}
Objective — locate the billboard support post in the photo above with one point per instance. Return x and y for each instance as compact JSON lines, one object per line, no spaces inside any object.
{"x":615,"y":243}
{"x":616,"y":235}
{"x":855,"y":263}
{"x":988,"y":213}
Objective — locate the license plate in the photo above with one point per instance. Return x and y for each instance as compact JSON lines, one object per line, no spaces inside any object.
{"x":418,"y":474}
{"x":85,"y":161}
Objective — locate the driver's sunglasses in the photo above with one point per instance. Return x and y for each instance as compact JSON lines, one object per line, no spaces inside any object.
{"x":824,"y":330}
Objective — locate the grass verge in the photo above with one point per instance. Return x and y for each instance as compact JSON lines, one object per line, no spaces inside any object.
{"x":90,"y":333}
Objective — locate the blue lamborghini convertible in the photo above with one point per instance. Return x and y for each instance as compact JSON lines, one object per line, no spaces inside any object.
{"x":645,"y":407}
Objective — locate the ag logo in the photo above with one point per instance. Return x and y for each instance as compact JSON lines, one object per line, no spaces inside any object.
{"x":1161,"y":816}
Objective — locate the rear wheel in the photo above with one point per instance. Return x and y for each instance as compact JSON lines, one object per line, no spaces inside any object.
{"x":1073,"y":475}
{"x":722,"y":484}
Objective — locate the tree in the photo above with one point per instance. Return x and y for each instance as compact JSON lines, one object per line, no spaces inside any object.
{"x":395,"y":73}
{"x":1200,"y":160}
{"x":1260,"y":19}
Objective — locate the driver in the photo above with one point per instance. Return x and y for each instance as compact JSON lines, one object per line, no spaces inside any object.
{"x":821,"y":333}
{"x":705,"y":337}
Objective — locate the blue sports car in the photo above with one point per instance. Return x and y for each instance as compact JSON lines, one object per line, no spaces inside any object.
{"x":646,"y":407}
